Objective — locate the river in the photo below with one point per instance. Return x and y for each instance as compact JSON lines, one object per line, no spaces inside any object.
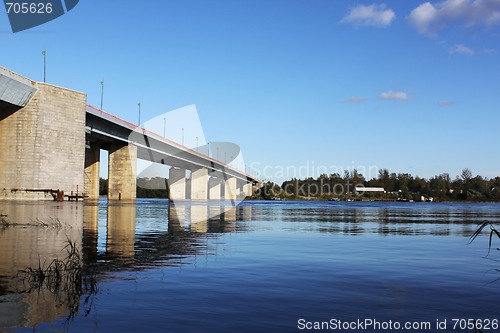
{"x":260,"y":267}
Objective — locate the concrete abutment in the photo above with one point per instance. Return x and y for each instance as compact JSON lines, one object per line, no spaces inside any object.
{"x":42,"y":145}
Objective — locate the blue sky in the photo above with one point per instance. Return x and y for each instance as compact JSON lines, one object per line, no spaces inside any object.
{"x":300,"y":85}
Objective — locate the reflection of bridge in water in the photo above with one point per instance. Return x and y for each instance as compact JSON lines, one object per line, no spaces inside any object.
{"x":126,"y":247}
{"x":43,"y":230}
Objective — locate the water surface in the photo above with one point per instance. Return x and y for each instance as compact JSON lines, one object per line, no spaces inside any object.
{"x":263,"y":266}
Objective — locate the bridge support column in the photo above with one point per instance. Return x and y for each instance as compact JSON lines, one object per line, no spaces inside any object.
{"x":248,"y":189}
{"x":92,"y":170}
{"x":122,"y":172}
{"x":177,"y":184}
{"x":215,"y":188}
{"x":230,"y":189}
{"x":199,"y":184}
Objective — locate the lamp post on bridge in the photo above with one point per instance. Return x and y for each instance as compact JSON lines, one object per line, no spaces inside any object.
{"x":102,"y":91}
{"x":44,"y":53}
{"x":139,"y":104}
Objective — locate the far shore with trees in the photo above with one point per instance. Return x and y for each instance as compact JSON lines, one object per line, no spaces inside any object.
{"x":155,"y":187}
{"x":396,"y":187}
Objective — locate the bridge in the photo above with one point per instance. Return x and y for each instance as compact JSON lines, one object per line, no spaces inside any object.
{"x":50,"y":142}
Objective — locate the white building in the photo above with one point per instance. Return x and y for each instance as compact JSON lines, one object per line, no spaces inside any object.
{"x":362,"y":189}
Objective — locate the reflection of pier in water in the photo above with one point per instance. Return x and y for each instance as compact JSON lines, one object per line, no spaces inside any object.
{"x":42,"y":230}
{"x":183,"y":234}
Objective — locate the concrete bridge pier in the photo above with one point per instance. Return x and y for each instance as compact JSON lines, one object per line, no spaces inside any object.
{"x":199,"y":184}
{"x":248,"y":189}
{"x":241,"y":189}
{"x":215,"y":188}
{"x":230,"y":189}
{"x":122,"y":172}
{"x":177,"y":184}
{"x":92,"y":170}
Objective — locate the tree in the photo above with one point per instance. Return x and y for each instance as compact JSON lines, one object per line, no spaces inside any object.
{"x":385,"y":180}
{"x":269,"y":190}
{"x":357,"y":178}
{"x":466,"y":175}
{"x":103,"y":186}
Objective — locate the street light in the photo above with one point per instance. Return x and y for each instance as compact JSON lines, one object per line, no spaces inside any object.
{"x":164,"y":125}
{"x":102,"y":91}
{"x":197,"y":144}
{"x":183,"y":136}
{"x":44,"y":53}
{"x":139,"y":104}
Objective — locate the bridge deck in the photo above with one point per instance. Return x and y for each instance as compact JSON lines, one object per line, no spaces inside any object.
{"x":106,"y":128}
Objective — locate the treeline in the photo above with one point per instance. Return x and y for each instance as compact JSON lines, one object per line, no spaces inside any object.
{"x":401,"y":186}
{"x":155,"y":187}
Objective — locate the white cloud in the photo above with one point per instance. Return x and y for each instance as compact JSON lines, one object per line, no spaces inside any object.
{"x":429,"y":17}
{"x":370,"y":16}
{"x":446,"y":102}
{"x":423,"y":17}
{"x":489,"y":51}
{"x":356,"y":100}
{"x":394,"y":95}
{"x":462,"y":49}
